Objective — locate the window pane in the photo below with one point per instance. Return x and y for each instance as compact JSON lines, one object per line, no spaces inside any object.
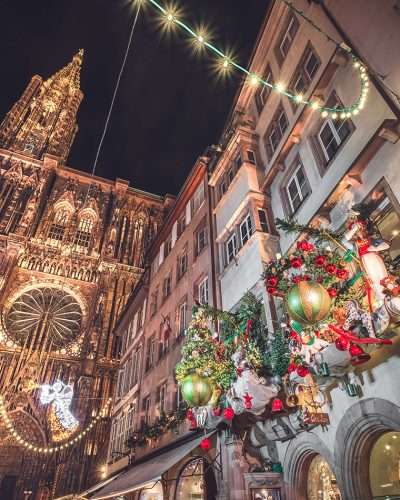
{"x":343,"y":129}
{"x":312,"y":65}
{"x":283,"y":122}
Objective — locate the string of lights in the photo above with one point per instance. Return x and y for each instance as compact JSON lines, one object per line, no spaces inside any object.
{"x":170,"y":18}
{"x":49,"y":449}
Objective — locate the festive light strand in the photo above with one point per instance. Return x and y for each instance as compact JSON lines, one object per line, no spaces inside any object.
{"x":50,"y":449}
{"x":340,"y":112}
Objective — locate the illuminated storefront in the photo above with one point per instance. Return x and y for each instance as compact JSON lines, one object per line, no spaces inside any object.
{"x":384,"y":467}
{"x":321,"y":482}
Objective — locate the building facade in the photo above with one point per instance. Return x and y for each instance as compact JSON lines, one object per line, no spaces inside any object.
{"x":314,"y":169}
{"x":72,"y":250}
{"x":150,"y":438}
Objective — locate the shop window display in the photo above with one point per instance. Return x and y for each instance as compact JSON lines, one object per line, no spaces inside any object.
{"x":191,"y":482}
{"x":321,"y":482}
{"x":154,"y":493}
{"x":384,"y":467}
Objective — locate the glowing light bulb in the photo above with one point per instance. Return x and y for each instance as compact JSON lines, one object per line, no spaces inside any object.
{"x":298,"y":98}
{"x":170,"y":17}
{"x":200,"y":38}
{"x":314,"y":105}
{"x":254,"y":80}
{"x":342,"y":116}
{"x":356,"y":64}
{"x":324,"y":114}
{"x":280,"y":87}
{"x":334,"y":116}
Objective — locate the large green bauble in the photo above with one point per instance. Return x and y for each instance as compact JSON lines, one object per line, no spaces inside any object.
{"x":196,"y":390}
{"x":308,"y":302}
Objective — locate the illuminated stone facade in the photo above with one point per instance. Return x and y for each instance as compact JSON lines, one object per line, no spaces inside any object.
{"x":71,"y":250}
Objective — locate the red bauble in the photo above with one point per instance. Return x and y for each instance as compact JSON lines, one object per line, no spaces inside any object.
{"x":296,"y":262}
{"x":272,"y":290}
{"x":330,"y":269}
{"x":190,"y":415}
{"x":302,"y":371}
{"x":296,"y":279}
{"x":358,"y":355}
{"x":229,"y":413}
{"x":342,"y":344}
{"x":217,"y":411}
{"x":320,"y":260}
{"x":277,"y":406}
{"x":342,"y":274}
{"x":306,"y":278}
{"x":332,"y":292}
{"x":292,"y":367}
{"x":272,"y":281}
{"x":205,"y":444}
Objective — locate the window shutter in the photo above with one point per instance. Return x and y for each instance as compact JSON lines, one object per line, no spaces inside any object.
{"x":188,"y":214}
{"x":161,"y":256}
{"x":174,"y":234}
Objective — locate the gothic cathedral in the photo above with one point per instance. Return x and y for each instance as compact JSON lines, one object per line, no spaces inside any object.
{"x":72,"y":249}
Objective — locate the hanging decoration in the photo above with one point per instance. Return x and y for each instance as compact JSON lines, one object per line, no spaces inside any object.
{"x":59,"y":395}
{"x":336,"y":300}
{"x":171,"y":18}
{"x":49,"y":449}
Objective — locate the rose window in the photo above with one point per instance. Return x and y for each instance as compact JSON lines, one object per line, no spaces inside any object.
{"x":44,"y":315}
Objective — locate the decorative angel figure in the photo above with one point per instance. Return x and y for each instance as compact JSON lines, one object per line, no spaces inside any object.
{"x":59,"y":395}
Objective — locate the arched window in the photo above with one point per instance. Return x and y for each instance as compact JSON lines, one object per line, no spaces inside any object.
{"x":154,"y":493}
{"x":58,"y":227}
{"x":321,"y":481}
{"x":384,"y":466}
{"x":196,"y":481}
{"x":83,"y":234}
{"x":137,"y":242}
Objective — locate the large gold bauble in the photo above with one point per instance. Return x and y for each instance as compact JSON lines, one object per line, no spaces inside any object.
{"x":196,"y":390}
{"x":308,"y":302}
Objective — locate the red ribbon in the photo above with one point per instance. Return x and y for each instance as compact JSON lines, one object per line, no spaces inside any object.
{"x":347,"y":335}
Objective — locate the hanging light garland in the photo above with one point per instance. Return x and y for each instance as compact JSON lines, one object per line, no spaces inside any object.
{"x":49,"y":449}
{"x":171,"y":19}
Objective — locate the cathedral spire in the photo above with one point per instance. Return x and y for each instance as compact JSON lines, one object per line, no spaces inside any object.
{"x":70,"y":74}
{"x":44,"y":119}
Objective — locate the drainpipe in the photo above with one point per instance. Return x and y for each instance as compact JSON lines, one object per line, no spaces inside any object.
{"x":387,"y":97}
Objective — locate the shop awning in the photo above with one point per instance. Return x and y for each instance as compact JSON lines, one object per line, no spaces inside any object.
{"x":148,"y":472}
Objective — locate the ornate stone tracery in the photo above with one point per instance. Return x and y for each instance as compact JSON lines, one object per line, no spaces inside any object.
{"x":71,"y":251}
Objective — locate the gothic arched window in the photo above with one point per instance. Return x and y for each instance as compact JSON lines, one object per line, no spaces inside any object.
{"x":83,"y":234}
{"x":58,"y":227}
{"x":137,"y":242}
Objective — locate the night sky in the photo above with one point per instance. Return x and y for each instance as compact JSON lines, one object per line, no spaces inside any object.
{"x":170,"y":106}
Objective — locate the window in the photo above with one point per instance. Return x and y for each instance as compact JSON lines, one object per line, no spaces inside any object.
{"x":136,"y":362}
{"x":151,"y":349}
{"x":384,"y":466}
{"x":246,"y":230}
{"x":182,"y":264}
{"x":201,"y":240}
{"x":167,"y":247}
{"x":275,"y":131}
{"x":198,"y":198}
{"x":251,"y":157}
{"x":165,"y":333}
{"x":182,"y":318}
{"x":237,"y":162}
{"x":154,"y":303}
{"x":162,"y":398}
{"x":203,"y":291}
{"x":222,"y":187}
{"x":331,"y":136}
{"x":305,"y":71}
{"x":262,"y":217}
{"x":297,"y":188}
{"x":140,"y":318}
{"x":167,"y":286}
{"x":146,"y":409}
{"x":263,"y":91}
{"x":286,"y":39}
{"x":83,"y":234}
{"x":58,"y":227}
{"x":231,"y":248}
{"x":181,"y":224}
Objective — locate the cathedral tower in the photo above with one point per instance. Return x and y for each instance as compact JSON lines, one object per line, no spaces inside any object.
{"x":44,"y":118}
